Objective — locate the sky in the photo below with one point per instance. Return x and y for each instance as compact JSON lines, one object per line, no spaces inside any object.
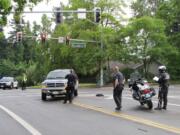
{"x":43,"y":6}
{"x":48,"y":6}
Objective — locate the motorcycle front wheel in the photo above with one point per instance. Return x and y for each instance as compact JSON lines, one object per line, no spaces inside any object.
{"x":150,"y":104}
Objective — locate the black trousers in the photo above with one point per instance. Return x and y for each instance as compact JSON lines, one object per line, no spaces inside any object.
{"x":69,"y":93}
{"x":23,"y":85}
{"x":117,"y":95}
{"x":163,"y":93}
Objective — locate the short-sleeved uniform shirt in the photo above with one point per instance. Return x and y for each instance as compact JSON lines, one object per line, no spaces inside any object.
{"x":118,"y":76}
{"x":164,"y":79}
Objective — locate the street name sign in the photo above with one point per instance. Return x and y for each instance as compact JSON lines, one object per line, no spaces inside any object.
{"x":78,"y":45}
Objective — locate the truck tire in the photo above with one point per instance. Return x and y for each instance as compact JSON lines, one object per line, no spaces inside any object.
{"x":43,"y":96}
{"x":11,"y":87}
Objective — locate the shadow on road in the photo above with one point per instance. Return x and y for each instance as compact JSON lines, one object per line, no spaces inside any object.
{"x":50,"y":99}
{"x":143,"y":108}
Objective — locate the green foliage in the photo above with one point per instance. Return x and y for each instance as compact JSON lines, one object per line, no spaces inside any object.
{"x":127,"y":72}
{"x":169,"y":11}
{"x":5,"y":7}
{"x":147,"y":38}
{"x":141,"y":36}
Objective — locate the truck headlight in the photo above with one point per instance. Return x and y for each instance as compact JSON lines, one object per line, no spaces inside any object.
{"x":65,"y":85}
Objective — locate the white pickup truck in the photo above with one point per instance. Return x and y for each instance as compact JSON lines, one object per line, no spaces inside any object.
{"x":55,"y":83}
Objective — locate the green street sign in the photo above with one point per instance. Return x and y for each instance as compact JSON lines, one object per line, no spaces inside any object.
{"x":78,"y":45}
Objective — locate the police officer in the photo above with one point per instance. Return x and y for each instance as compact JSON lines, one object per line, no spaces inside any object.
{"x":24,"y":80}
{"x":118,"y":86}
{"x":163,"y":88}
{"x":70,"y":87}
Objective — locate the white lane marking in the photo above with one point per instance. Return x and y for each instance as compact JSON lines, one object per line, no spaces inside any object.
{"x":27,"y":126}
{"x":20,"y":96}
{"x":83,"y":92}
{"x":169,"y":104}
{"x":109,"y":97}
{"x":87,"y":95}
{"x":174,"y":97}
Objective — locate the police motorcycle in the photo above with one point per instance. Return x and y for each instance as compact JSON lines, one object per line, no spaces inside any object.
{"x":142,"y":92}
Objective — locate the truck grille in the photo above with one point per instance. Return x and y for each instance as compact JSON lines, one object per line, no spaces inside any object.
{"x":59,"y":84}
{"x":55,"y":84}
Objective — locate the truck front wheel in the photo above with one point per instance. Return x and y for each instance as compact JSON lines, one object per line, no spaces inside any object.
{"x":43,"y":96}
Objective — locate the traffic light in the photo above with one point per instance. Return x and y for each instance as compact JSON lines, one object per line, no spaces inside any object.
{"x":97,"y":15}
{"x":59,"y":16}
{"x":43,"y":37}
{"x":67,"y":40}
{"x":19,"y":36}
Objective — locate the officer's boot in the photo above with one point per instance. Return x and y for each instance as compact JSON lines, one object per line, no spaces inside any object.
{"x":164,"y":106}
{"x":165,"y":102}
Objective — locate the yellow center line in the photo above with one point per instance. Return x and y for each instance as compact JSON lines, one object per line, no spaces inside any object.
{"x":130,"y":117}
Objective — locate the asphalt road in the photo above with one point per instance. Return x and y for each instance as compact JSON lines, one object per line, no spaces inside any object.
{"x":23,"y":113}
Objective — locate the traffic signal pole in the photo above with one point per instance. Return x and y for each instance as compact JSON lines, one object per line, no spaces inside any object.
{"x":97,"y":20}
{"x":55,"y":11}
{"x":98,"y":13}
{"x":101,"y":63}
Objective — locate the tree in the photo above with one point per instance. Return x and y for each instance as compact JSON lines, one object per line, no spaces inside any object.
{"x":141,"y":36}
{"x":92,"y":55}
{"x":169,"y":12}
{"x":145,"y":7}
{"x":46,"y":24}
{"x":169,"y":56}
{"x":20,"y":7}
{"x":5,"y":7}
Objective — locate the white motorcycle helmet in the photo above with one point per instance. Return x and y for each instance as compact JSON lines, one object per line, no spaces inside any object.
{"x":162,"y":68}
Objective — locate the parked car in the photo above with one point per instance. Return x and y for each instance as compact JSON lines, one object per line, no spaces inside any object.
{"x":55,"y":83}
{"x":8,"y":82}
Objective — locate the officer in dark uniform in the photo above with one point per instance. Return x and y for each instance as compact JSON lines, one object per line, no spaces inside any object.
{"x":24,"y":80}
{"x":70,"y":87}
{"x":163,"y":88}
{"x":118,"y":86}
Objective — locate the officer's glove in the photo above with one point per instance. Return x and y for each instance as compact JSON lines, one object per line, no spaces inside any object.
{"x":156,"y":79}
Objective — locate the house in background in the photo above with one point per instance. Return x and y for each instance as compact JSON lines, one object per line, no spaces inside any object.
{"x":153,"y":67}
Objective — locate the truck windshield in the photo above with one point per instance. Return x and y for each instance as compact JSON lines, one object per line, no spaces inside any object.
{"x":6,"y":79}
{"x":57,"y":75}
